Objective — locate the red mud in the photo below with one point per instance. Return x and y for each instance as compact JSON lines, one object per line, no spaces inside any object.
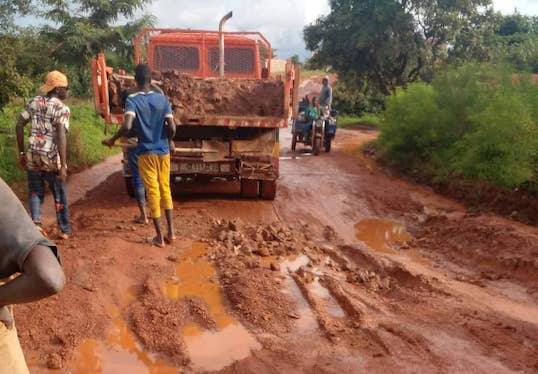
{"x":348,"y":270}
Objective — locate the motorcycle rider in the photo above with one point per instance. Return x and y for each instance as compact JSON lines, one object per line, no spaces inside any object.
{"x":326,"y":94}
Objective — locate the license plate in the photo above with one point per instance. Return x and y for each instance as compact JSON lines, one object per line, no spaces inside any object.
{"x":195,"y":167}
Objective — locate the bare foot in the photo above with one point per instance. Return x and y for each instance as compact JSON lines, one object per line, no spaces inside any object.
{"x":155,"y":241}
{"x":141,"y":220}
{"x":169,"y":239}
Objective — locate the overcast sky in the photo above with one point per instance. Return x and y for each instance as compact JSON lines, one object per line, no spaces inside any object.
{"x":281,"y":21}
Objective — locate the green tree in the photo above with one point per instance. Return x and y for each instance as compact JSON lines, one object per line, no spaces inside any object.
{"x":86,"y":27}
{"x":389,"y":43}
{"x":9,"y":9}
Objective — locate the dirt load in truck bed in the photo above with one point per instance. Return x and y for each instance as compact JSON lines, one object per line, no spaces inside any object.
{"x":197,"y":98}
{"x":194,"y":98}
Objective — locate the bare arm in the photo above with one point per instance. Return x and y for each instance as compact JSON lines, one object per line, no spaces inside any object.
{"x":20,"y":133}
{"x":171,"y":133}
{"x":126,"y":126}
{"x":42,"y":276}
{"x":61,"y":141}
{"x":171,"y":128}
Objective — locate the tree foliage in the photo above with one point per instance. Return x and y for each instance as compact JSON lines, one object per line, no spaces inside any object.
{"x":389,"y":43}
{"x":74,"y":32}
{"x":472,"y":122}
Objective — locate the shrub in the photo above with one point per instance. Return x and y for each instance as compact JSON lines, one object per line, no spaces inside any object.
{"x":408,"y":135}
{"x":476,"y":121}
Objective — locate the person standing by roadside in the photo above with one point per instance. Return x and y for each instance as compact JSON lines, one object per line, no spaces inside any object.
{"x":326,"y":94}
{"x":45,"y":159}
{"x":151,"y":115}
{"x":24,"y":250}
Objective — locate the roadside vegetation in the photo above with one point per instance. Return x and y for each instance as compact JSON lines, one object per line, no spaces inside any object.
{"x":458,"y":100}
{"x":476,"y":122}
{"x":372,"y":120}
{"x":83,"y":140}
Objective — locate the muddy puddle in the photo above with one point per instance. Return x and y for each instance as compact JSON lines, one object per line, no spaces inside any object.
{"x":307,"y":322}
{"x":386,"y":236}
{"x":208,"y":349}
{"x":120,"y":353}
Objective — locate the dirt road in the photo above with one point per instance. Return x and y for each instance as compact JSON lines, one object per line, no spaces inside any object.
{"x":348,"y":270}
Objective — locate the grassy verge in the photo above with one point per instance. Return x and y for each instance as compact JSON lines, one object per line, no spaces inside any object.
{"x":367,"y":119}
{"x":83,"y":140}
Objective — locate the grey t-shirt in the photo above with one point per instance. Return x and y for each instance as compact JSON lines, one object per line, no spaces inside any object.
{"x":326,"y":96}
{"x":18,"y":234}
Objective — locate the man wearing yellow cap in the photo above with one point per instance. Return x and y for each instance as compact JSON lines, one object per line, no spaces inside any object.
{"x":45,"y":157}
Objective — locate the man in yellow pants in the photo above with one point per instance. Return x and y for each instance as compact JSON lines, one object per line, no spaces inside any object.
{"x":24,"y":251}
{"x":151,"y":114}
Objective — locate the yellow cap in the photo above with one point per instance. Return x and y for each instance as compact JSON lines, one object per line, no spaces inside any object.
{"x":54,"y":79}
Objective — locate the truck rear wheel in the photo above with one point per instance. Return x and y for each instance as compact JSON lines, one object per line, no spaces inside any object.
{"x":249,"y":188}
{"x":129,"y":186}
{"x":268,"y":190}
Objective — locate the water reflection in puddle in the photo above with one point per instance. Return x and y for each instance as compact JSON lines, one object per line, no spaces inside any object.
{"x":380,"y":234}
{"x":208,"y":350}
{"x":120,"y":353}
{"x":330,"y":303}
{"x":383,"y":235}
{"x":306,"y":322}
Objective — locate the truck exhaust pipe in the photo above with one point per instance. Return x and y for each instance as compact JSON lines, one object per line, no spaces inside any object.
{"x":221,"y":43}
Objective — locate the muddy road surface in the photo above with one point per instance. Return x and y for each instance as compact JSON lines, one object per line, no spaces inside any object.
{"x":349,"y":270}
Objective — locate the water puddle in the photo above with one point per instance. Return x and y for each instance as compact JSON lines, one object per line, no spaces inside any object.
{"x":208,"y":350}
{"x":330,"y":303}
{"x":383,"y":235}
{"x":120,"y":353}
{"x":306,"y":322}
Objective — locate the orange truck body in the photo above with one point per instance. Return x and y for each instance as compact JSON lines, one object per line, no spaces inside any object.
{"x":242,"y":148}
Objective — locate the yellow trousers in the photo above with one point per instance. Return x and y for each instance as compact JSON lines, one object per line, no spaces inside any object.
{"x":155,"y":173}
{"x":11,"y":356}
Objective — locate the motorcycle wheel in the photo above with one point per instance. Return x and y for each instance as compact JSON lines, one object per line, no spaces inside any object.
{"x":293,"y":141}
{"x":328,"y":145}
{"x":317,"y":146}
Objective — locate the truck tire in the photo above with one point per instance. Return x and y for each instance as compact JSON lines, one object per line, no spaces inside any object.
{"x":249,"y":188}
{"x":293,"y":142}
{"x":328,"y":145}
{"x":317,"y":146}
{"x":268,"y":190}
{"x":129,"y":186}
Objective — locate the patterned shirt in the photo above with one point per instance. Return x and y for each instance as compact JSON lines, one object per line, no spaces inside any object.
{"x":46,"y":115}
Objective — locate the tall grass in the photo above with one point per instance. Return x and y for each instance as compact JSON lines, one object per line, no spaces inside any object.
{"x":83,"y":140}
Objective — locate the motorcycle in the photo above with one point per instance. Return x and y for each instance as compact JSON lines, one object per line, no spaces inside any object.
{"x":316,"y":133}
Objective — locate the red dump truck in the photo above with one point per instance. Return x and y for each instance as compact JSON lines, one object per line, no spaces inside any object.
{"x":228,"y":105}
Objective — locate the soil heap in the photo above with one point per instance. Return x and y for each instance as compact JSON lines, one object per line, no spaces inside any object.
{"x":194,"y":99}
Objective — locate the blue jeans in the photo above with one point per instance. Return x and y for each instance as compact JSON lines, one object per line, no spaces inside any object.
{"x":36,"y":190}
{"x":138,"y":185}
